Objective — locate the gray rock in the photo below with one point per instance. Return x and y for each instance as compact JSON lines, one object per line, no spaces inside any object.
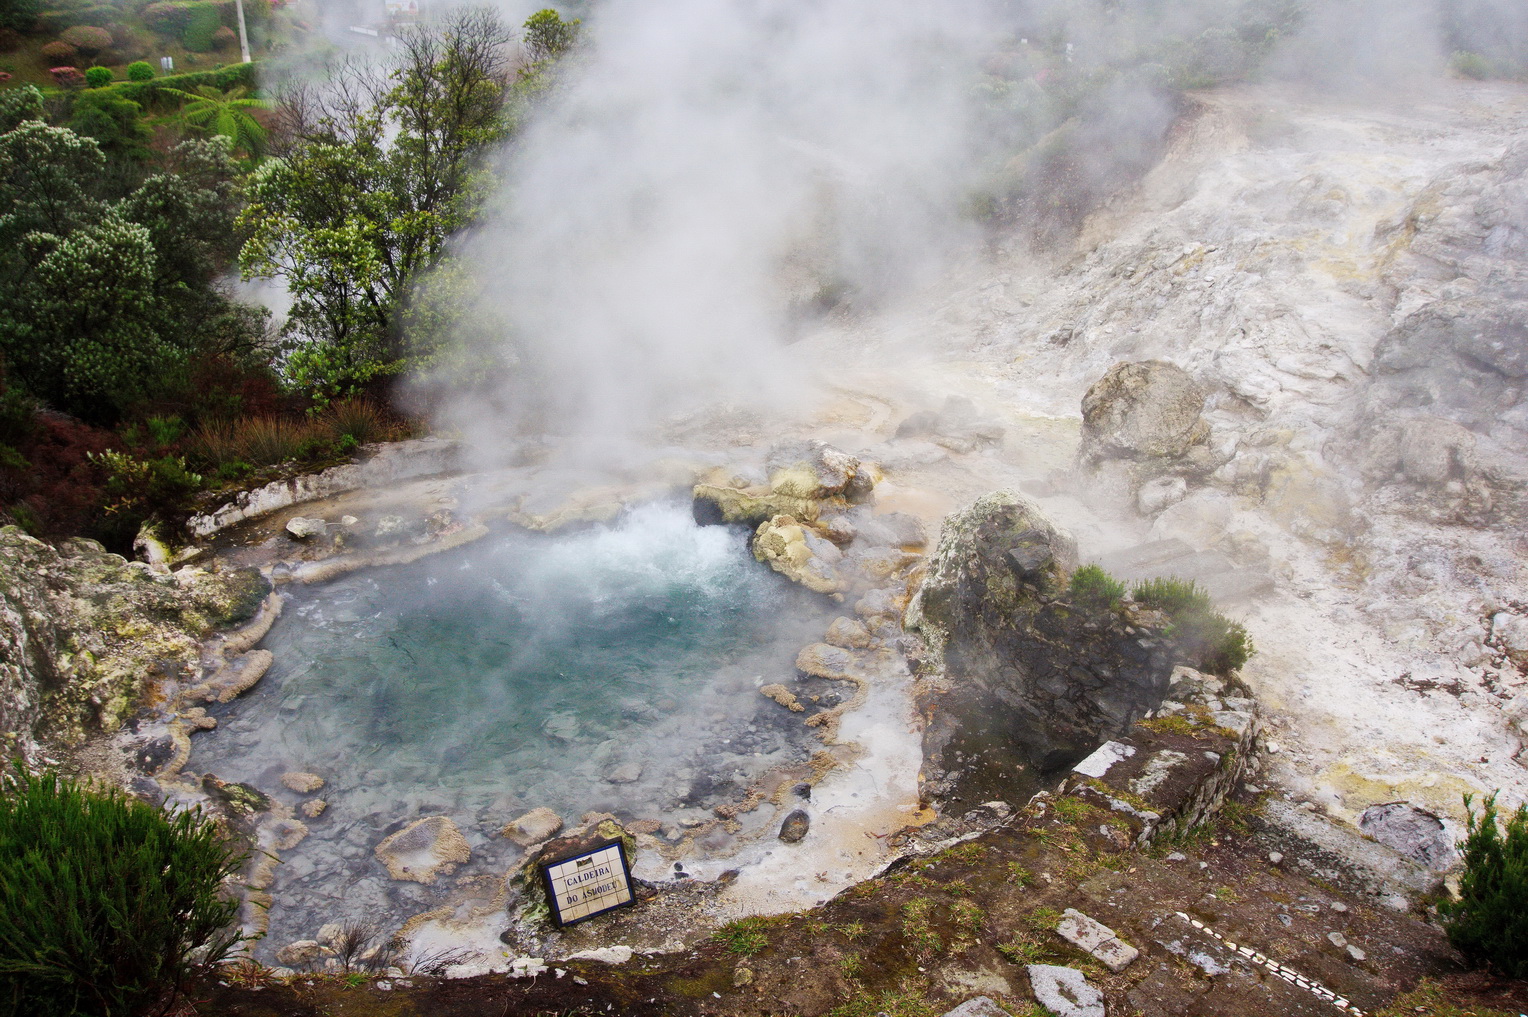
{"x":306,"y":527}
{"x":1416,"y":833}
{"x":1149,"y":409}
{"x":1027,"y":668}
{"x":981,"y":1006}
{"x":1097,"y":939}
{"x":626,"y":773}
{"x":1511,"y":633}
{"x":1066,"y":992}
{"x":816,"y":470}
{"x":795,"y":826}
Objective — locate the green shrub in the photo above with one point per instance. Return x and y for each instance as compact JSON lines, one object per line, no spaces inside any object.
{"x":744,"y":936}
{"x":107,"y":904}
{"x":60,"y":52}
{"x":1094,"y":588}
{"x":95,"y":77}
{"x":1488,"y":923}
{"x":1206,"y":639}
{"x":140,"y":70}
{"x":151,"y":94}
{"x":88,"y":39}
{"x":200,"y":34}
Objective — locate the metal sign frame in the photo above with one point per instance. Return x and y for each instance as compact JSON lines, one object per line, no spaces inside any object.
{"x":558,"y":903}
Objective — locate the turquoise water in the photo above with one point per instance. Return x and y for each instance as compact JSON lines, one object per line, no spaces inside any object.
{"x":616,"y":669}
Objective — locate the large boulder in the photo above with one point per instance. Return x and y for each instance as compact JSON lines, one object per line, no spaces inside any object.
{"x":82,"y":630}
{"x":798,"y":553}
{"x":1149,"y":409}
{"x":807,"y":480}
{"x":1035,"y":680}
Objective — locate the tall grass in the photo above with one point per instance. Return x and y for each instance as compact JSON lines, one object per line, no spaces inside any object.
{"x":108,"y":905}
{"x":1207,"y":640}
{"x":271,"y":440}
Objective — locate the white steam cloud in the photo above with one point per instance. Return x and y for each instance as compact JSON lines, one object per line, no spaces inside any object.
{"x":709,"y":165}
{"x":707,"y":158}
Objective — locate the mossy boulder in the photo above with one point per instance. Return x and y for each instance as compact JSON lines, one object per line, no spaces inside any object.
{"x":1034,"y":677}
{"x":83,"y":633}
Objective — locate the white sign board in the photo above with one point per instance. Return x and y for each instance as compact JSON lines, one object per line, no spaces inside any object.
{"x":588,"y":884}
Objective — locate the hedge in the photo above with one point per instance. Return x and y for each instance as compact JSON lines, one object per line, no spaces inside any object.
{"x":149,"y":95}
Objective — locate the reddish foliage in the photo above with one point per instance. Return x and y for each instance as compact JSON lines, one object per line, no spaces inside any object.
{"x":67,"y":77}
{"x":60,"y":487}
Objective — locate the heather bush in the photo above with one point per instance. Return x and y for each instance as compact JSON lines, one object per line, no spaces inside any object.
{"x":224,"y":37}
{"x":59,"y":52}
{"x":96,"y":77}
{"x":108,"y":905}
{"x":1488,"y":922}
{"x":1204,"y":638}
{"x":140,"y":70}
{"x":67,"y":77}
{"x":88,"y":39}
{"x":1094,"y":588}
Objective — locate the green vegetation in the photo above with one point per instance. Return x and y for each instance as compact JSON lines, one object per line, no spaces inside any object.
{"x":224,"y":114}
{"x":95,"y":77}
{"x":1429,"y":999}
{"x":140,"y":70}
{"x":107,"y":904}
{"x":1093,"y":588}
{"x":1205,"y":639}
{"x":381,"y":174}
{"x":916,"y":925}
{"x":744,"y":936}
{"x":547,"y":37}
{"x":1488,"y":923}
{"x":901,"y":1003}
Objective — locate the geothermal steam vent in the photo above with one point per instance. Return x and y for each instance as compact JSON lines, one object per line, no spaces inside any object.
{"x":616,"y":669}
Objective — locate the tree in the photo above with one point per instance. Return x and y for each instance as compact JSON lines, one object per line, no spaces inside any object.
{"x":225,"y":114}
{"x":1488,"y":922}
{"x":547,"y":37}
{"x":107,"y":904}
{"x":379,"y":170}
{"x":101,"y":301}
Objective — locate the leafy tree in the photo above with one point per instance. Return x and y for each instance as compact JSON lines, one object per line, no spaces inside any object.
{"x":1488,"y":922}
{"x":224,"y":113}
{"x":379,"y":171}
{"x":546,"y":36}
{"x":114,"y":123}
{"x":101,"y":301}
{"x":19,"y":15}
{"x":107,"y":904}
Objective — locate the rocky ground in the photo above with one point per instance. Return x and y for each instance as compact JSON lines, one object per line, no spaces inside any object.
{"x":1288,"y":364}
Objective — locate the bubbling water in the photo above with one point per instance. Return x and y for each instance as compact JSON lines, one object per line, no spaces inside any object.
{"x":615,"y":669}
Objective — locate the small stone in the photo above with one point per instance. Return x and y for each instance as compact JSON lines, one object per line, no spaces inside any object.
{"x":534,"y":827}
{"x":848,"y":633}
{"x":348,"y":520}
{"x":301,"y":953}
{"x":1275,"y":857}
{"x":1065,"y":991}
{"x":306,"y":527}
{"x":330,"y":933}
{"x":742,"y":977}
{"x":1338,"y":906}
{"x":1337,"y":939}
{"x":626,"y":773}
{"x":1177,"y":856}
{"x":424,"y":850}
{"x":981,"y":1006}
{"x":314,"y":807}
{"x":1357,"y":954}
{"x":1272,"y":747}
{"x":301,"y":782}
{"x":795,"y":826}
{"x":389,"y":525}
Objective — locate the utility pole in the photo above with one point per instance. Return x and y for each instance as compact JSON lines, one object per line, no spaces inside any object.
{"x":243,"y":34}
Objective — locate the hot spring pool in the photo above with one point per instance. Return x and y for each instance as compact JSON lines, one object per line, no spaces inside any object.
{"x":616,"y":669}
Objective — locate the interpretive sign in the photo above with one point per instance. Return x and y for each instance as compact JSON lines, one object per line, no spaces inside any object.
{"x":590,"y":883}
